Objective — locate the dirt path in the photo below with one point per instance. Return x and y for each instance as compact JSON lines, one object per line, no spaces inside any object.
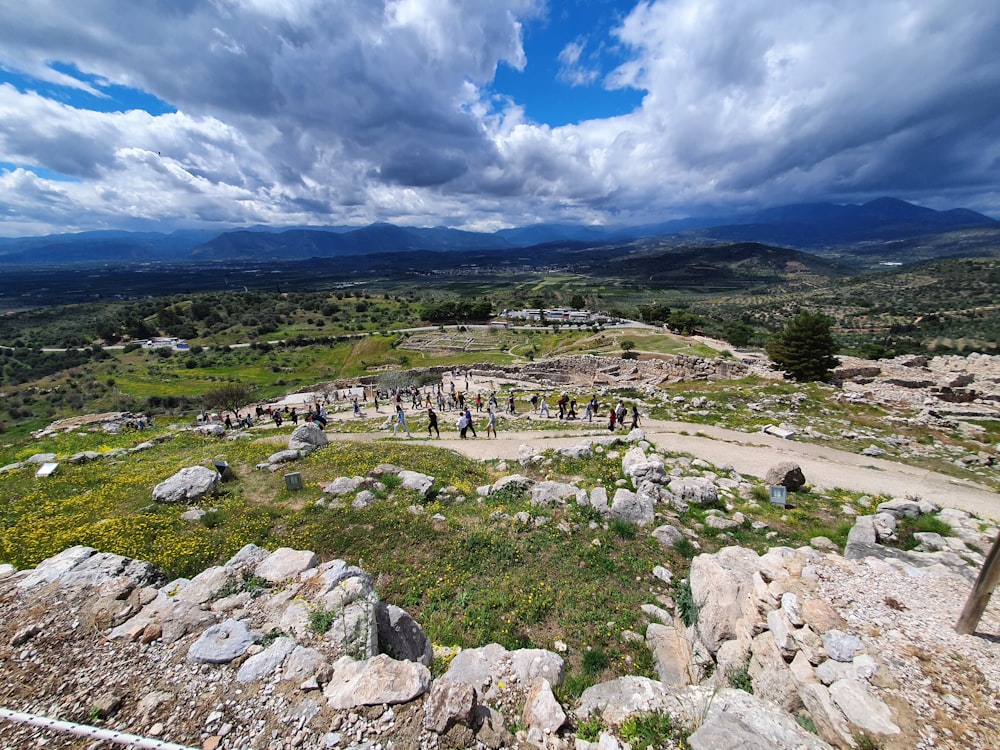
{"x":753,"y":454}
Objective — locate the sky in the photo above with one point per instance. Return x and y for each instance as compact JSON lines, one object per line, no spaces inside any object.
{"x":160,"y":115}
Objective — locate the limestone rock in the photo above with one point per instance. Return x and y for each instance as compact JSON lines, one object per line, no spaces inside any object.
{"x":771,"y":678}
{"x":376,"y":681}
{"x":671,"y":654}
{"x":285,"y":456}
{"x":541,"y":709}
{"x":722,"y":588}
{"x":861,"y":708}
{"x":221,"y":643}
{"x":400,"y":636}
{"x":267,"y":661}
{"x":285,"y":563}
{"x":631,"y":507}
{"x":697,"y":490}
{"x":900,"y":508}
{"x":667,"y":535}
{"x":618,"y":699}
{"x":188,"y":485}
{"x":307,"y":437}
{"x":841,"y":646}
{"x":449,"y":703}
{"x":342,"y":486}
{"x":416,"y":482}
{"x":552,"y":493}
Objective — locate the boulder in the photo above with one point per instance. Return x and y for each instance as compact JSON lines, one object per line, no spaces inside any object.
{"x":541,"y":709}
{"x":900,"y":508}
{"x":307,"y":437}
{"x":723,"y":591}
{"x":552,"y":493}
{"x":342,"y":486}
{"x":861,"y":708}
{"x":581,"y":450}
{"x":786,"y":474}
{"x":263,"y":664}
{"x":841,"y":646}
{"x":518,"y":480}
{"x":221,"y":643}
{"x":632,"y":507}
{"x":667,"y":535}
{"x":416,"y":482}
{"x":188,"y":485}
{"x":285,"y":456}
{"x":449,"y":704}
{"x":599,"y":500}
{"x":374,"y":682}
{"x":697,"y":490}
{"x":400,"y":636}
{"x":285,"y":563}
{"x":671,"y":654}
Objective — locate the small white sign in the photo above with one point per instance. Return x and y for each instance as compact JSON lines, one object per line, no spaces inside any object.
{"x":778,"y":495}
{"x":46,"y":469}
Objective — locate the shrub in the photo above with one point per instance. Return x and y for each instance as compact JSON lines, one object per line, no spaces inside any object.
{"x":684,"y":600}
{"x":321,"y":619}
{"x":649,"y":730}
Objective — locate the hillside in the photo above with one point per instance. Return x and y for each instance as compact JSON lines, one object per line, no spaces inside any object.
{"x":591,"y":558}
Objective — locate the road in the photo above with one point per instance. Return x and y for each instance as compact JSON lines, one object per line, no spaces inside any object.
{"x":752,"y":454}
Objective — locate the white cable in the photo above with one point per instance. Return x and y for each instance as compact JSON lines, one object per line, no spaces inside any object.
{"x":95,"y":733}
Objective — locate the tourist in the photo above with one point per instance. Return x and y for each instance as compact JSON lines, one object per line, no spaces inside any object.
{"x":433,"y":422}
{"x":612,"y":417}
{"x":463,"y":426}
{"x":491,"y":423}
{"x":635,"y":417}
{"x":400,"y":421}
{"x":468,"y":421}
{"x":543,"y":408}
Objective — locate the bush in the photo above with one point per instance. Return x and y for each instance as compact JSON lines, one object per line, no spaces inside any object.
{"x":649,"y":730}
{"x":684,"y":600}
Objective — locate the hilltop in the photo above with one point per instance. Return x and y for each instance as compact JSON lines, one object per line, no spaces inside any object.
{"x":558,"y":536}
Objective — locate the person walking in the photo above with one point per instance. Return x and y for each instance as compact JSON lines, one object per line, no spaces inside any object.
{"x":463,"y":426}
{"x":635,"y":417}
{"x":400,"y":421}
{"x":491,"y":423}
{"x":612,"y":417}
{"x":433,"y":423}
{"x":468,"y":420}
{"x":543,"y":408}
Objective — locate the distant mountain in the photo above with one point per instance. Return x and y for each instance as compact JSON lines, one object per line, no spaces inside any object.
{"x":818,"y":226}
{"x":376,"y":238}
{"x":102,"y":247}
{"x":814,"y":227}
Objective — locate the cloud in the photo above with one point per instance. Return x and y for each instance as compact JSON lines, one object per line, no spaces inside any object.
{"x":571,"y":70}
{"x":327,"y":111}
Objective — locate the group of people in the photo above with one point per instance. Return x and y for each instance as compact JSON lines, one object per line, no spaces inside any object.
{"x":465,"y":423}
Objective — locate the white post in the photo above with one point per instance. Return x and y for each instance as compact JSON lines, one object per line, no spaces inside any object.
{"x":94,"y":733}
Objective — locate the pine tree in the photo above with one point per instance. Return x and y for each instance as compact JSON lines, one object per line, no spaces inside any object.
{"x":805,"y":348}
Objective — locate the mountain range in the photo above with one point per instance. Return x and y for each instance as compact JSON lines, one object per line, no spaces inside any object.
{"x":817,"y":227}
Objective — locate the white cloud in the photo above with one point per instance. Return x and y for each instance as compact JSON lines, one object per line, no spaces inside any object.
{"x":571,"y":70}
{"x":325,"y":111}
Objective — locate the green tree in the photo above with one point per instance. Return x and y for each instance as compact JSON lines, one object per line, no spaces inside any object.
{"x":577,"y":302}
{"x":805,"y":348}
{"x":229,"y":397}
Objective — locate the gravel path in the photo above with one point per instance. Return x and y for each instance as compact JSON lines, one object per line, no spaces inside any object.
{"x":752,"y":454}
